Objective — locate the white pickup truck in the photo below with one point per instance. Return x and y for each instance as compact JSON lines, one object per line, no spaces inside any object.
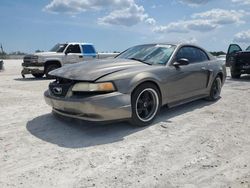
{"x":42,"y":63}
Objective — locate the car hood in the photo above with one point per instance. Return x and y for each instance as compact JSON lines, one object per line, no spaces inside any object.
{"x":46,"y":54}
{"x":94,"y":70}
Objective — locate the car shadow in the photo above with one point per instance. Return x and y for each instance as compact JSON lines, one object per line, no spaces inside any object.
{"x":167,"y":114}
{"x":70,"y":133}
{"x":31,"y":79}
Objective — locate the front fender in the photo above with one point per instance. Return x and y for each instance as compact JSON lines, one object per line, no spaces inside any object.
{"x":59,"y":60}
{"x":143,"y":77}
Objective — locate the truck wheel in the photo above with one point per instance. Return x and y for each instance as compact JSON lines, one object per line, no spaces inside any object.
{"x":38,"y":75}
{"x":215,"y":90}
{"x":50,"y":68}
{"x":145,"y":102}
{"x":235,"y":75}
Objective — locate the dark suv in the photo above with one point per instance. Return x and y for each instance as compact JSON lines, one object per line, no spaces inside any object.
{"x":238,"y":60}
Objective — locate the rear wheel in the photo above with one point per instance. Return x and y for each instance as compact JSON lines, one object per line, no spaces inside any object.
{"x":145,"y":104}
{"x":38,"y":75}
{"x":215,"y":89}
{"x":50,"y":68}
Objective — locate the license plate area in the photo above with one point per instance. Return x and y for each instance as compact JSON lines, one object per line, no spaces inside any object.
{"x":246,"y":66}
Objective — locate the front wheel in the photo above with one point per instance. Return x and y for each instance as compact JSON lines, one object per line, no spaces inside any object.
{"x":215,"y":89}
{"x":145,"y":104}
{"x":50,"y":68}
{"x":234,"y":73}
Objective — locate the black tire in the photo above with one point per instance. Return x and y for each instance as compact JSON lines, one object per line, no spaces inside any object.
{"x":215,"y":89}
{"x":146,"y":102}
{"x":50,"y":68}
{"x":235,"y":75}
{"x":38,"y":75}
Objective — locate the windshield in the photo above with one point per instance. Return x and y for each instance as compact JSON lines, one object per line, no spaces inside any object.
{"x":150,"y":54}
{"x":248,"y":48}
{"x":58,"y":48}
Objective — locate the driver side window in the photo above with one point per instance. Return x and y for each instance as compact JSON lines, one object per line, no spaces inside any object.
{"x":186,"y":53}
{"x":192,"y":54}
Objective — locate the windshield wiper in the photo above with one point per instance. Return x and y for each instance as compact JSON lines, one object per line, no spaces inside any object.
{"x":140,"y":61}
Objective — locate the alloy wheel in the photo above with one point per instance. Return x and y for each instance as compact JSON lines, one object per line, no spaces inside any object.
{"x":147,"y":104}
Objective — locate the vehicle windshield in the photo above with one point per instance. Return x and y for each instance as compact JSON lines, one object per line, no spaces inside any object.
{"x":58,"y":48}
{"x":248,"y":48}
{"x":152,"y":54}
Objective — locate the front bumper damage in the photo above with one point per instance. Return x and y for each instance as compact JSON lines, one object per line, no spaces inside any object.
{"x":102,"y":107}
{"x":32,"y":68}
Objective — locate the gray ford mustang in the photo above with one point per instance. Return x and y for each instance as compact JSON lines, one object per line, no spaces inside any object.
{"x":135,"y":84}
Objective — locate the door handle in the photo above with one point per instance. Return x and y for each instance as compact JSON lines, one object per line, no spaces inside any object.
{"x":80,"y":56}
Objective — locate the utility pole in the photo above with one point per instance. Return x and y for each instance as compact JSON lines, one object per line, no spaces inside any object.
{"x":2,"y":48}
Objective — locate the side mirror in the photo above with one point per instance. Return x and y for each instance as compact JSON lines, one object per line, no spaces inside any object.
{"x":181,"y":62}
{"x":66,"y":53}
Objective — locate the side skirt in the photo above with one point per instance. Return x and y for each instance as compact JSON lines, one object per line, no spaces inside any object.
{"x":178,"y":103}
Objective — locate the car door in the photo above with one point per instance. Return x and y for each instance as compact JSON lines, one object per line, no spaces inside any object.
{"x":232,"y":49}
{"x":189,"y":80}
{"x":73,"y":54}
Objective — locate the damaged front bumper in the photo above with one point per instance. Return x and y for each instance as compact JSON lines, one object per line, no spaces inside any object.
{"x":34,"y":68}
{"x":105,"y":107}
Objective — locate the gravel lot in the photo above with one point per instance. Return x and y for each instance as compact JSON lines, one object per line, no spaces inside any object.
{"x":200,"y":144}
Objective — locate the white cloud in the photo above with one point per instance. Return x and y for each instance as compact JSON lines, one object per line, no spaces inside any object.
{"x":150,"y":21}
{"x":242,"y":37}
{"x":128,"y":16}
{"x":191,"y":40}
{"x":194,"y":2}
{"x":201,"y":25}
{"x":121,"y":12}
{"x":221,"y":16}
{"x":174,"y":27}
{"x":243,"y":2}
{"x":205,"y":21}
{"x":77,"y":6}
{"x":186,"y":26}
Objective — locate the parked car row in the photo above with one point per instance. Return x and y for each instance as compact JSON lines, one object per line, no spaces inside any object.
{"x":136,"y":83}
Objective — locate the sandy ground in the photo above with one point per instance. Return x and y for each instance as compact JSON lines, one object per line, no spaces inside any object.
{"x":201,"y":144}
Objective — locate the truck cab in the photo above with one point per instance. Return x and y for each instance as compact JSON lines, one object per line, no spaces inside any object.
{"x":238,"y":60}
{"x":40,"y":64}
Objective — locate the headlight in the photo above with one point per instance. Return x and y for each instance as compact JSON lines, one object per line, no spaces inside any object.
{"x":92,"y":87}
{"x":34,"y":59}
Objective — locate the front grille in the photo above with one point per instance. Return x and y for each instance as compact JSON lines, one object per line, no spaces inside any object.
{"x":84,"y":94}
{"x":27,"y":59}
{"x":60,"y":87}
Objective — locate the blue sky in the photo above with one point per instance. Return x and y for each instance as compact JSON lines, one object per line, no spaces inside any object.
{"x":118,"y":24}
